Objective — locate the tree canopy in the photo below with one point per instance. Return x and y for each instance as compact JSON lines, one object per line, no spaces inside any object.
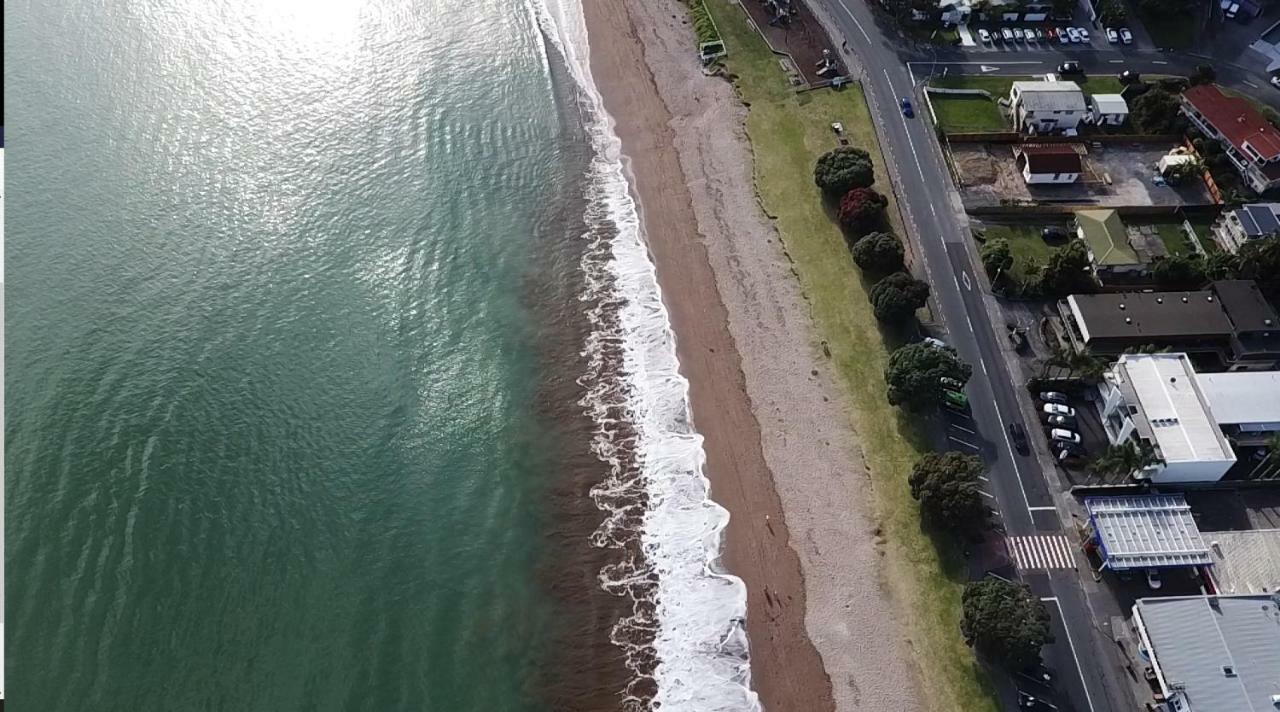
{"x":1004,"y":621}
{"x":996,"y":256}
{"x":1125,"y":459}
{"x":1221,"y":265}
{"x":946,"y":485}
{"x":895,"y":298}
{"x":879,"y":252}
{"x":862,"y":211}
{"x":1156,"y":112}
{"x":915,"y":372}
{"x":1067,"y":271}
{"x":842,"y":169}
{"x":1260,"y":259}
{"x":1178,"y":271}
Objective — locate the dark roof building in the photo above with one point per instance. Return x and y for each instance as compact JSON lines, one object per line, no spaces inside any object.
{"x":1231,"y":318}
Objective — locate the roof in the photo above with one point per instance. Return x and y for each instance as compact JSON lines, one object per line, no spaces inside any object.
{"x":1146,"y":532}
{"x":1051,"y":157}
{"x":1236,"y":119}
{"x":1109,"y":104}
{"x":1258,"y":219}
{"x":1246,"y":561}
{"x":1150,"y":315}
{"x":1050,"y":96}
{"x":1245,"y":306}
{"x":1221,"y":652}
{"x":1104,"y":233}
{"x":1167,"y":395}
{"x":1242,"y":397}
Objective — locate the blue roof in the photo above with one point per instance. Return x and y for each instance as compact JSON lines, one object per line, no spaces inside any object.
{"x":1259,"y":219}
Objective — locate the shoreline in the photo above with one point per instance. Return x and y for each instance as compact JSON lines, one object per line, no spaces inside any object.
{"x":781,"y":448}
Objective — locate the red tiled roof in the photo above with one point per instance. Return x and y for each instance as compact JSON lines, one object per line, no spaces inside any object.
{"x":1051,"y":157}
{"x":1235,"y":119}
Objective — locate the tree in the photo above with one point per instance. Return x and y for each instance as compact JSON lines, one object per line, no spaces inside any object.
{"x":1155,"y":112}
{"x":1125,"y":459}
{"x":946,"y":485}
{"x":1067,"y":271}
{"x":896,"y":298}
{"x":1111,"y":12}
{"x":1004,"y":621}
{"x":862,"y":210}
{"x":915,"y":372}
{"x":996,"y":257}
{"x":1221,"y":265}
{"x":1179,"y":173}
{"x":1204,"y":74}
{"x":1260,"y":259}
{"x":842,"y":169}
{"x":1178,"y":271}
{"x":879,"y":252}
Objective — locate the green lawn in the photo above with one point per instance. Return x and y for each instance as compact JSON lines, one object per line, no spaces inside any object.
{"x":967,"y":114}
{"x":1205,"y":234}
{"x":1175,"y":239}
{"x":1025,"y":243}
{"x":788,"y":132}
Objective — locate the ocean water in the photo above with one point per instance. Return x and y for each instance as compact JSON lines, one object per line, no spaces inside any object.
{"x":337,"y":373}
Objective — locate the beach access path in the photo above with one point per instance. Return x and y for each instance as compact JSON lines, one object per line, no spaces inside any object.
{"x":781,"y":454}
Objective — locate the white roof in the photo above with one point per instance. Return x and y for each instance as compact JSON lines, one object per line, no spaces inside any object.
{"x":1148,"y":531}
{"x":1181,"y":422}
{"x":1050,"y":96}
{"x":1246,"y":561}
{"x":1110,"y":104}
{"x":1243,"y":396}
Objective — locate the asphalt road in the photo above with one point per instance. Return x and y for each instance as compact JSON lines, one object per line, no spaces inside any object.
{"x":1084,"y":680}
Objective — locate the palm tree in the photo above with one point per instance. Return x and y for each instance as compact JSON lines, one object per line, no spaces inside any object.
{"x":1269,"y":461}
{"x":1126,"y":458}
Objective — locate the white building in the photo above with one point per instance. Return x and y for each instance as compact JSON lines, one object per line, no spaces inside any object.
{"x":1156,"y":399}
{"x":1047,"y":107}
{"x":1048,"y":163}
{"x":1108,"y":109}
{"x":1248,"y":222}
{"x":1245,"y":404}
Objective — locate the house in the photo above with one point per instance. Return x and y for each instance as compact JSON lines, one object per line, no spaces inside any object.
{"x":1048,"y":163}
{"x":954,"y":12}
{"x":1210,"y":653}
{"x":1110,"y":253}
{"x":1248,"y":222}
{"x":1230,"y":321}
{"x":1156,"y":400}
{"x":1108,"y":110}
{"x":1045,"y":107}
{"x":1250,"y":141}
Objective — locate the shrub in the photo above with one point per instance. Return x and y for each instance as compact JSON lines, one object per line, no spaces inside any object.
{"x":915,"y":372}
{"x":896,"y":298}
{"x":1004,"y":621}
{"x":946,"y":485}
{"x":862,"y":211}
{"x":843,"y":169}
{"x":996,"y":256}
{"x":879,"y":253}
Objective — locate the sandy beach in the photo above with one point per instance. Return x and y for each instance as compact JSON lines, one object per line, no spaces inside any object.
{"x":781,"y":454}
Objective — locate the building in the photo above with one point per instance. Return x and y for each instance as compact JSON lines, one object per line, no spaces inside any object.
{"x":1245,"y":404}
{"x":1250,"y":141}
{"x":1230,"y":321}
{"x":1211,"y":653}
{"x":1145,"y":532}
{"x":954,"y":12}
{"x":1108,"y":109}
{"x":1248,"y":222}
{"x":1109,"y":250}
{"x":1156,"y":400}
{"x":1054,"y":163}
{"x":1047,"y":107}
{"x":1245,"y":561}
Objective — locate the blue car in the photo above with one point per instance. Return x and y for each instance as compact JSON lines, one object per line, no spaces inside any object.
{"x":907,"y":111}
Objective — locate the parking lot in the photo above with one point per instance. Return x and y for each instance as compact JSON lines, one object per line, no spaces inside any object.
{"x":1033,"y":37}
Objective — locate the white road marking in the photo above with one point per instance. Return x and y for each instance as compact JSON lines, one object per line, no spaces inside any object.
{"x":986,"y":68}
{"x":957,"y":427}
{"x":964,"y":277}
{"x":1083,"y":683}
{"x":1041,"y":509}
{"x":1042,"y":551}
{"x":857,"y":24}
{"x":962,"y":442}
{"x":985,"y":493}
{"x":1116,"y":61}
{"x":1159,"y":61}
{"x":1249,"y":83}
{"x":984,"y":479}
{"x":982,"y":363}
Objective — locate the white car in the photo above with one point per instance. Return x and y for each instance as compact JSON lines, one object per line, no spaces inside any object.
{"x":1084,"y":34}
{"x":1275,"y":82}
{"x":1126,"y":36}
{"x":1153,"y":579}
{"x":1017,"y":34}
{"x":1073,"y":34}
{"x":1065,"y":436}
{"x":1063,"y":37}
{"x":1007,"y":34}
{"x":1058,"y":409}
{"x":1030,"y":34}
{"x":1112,"y":36}
{"x":984,"y":36}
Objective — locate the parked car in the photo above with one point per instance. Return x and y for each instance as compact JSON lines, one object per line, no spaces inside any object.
{"x":1069,"y":68}
{"x":1060,"y":421}
{"x":1038,"y":32}
{"x":1050,"y":33}
{"x":1018,"y":435}
{"x":1112,"y":36}
{"x":907,"y":111}
{"x":951,"y":384}
{"x":1017,"y":34}
{"x":1073,"y":34}
{"x":1063,"y":36}
{"x":1052,"y":233}
{"x":1006,"y":34}
{"x":984,"y":36}
{"x":1153,"y":579}
{"x":1058,"y":409}
{"x":1069,"y":436}
{"x":1230,"y":9}
{"x":1053,"y":397}
{"x":1084,"y":34}
{"x":1062,"y":446}
{"x":1126,"y":36}
{"x":1275,"y":82}
{"x":935,"y":343}
{"x":1018,"y":337}
{"x":1128,"y":76}
{"x":955,"y":400}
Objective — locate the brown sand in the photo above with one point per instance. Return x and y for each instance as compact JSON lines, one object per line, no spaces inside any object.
{"x":781,"y":456}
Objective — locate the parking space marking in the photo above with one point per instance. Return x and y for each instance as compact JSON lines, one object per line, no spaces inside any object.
{"x":985,"y":493}
{"x":962,"y":442}
{"x":960,"y":427}
{"x":1047,"y":551}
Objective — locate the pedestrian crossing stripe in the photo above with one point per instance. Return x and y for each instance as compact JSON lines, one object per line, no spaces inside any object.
{"x":1049,"y":551}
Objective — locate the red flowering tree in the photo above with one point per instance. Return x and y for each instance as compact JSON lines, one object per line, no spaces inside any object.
{"x":862,"y":211}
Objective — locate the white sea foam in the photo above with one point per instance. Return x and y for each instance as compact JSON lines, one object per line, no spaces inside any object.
{"x":645,"y":434}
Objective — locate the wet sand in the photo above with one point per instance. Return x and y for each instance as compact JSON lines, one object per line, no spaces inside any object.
{"x":781,"y":452}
